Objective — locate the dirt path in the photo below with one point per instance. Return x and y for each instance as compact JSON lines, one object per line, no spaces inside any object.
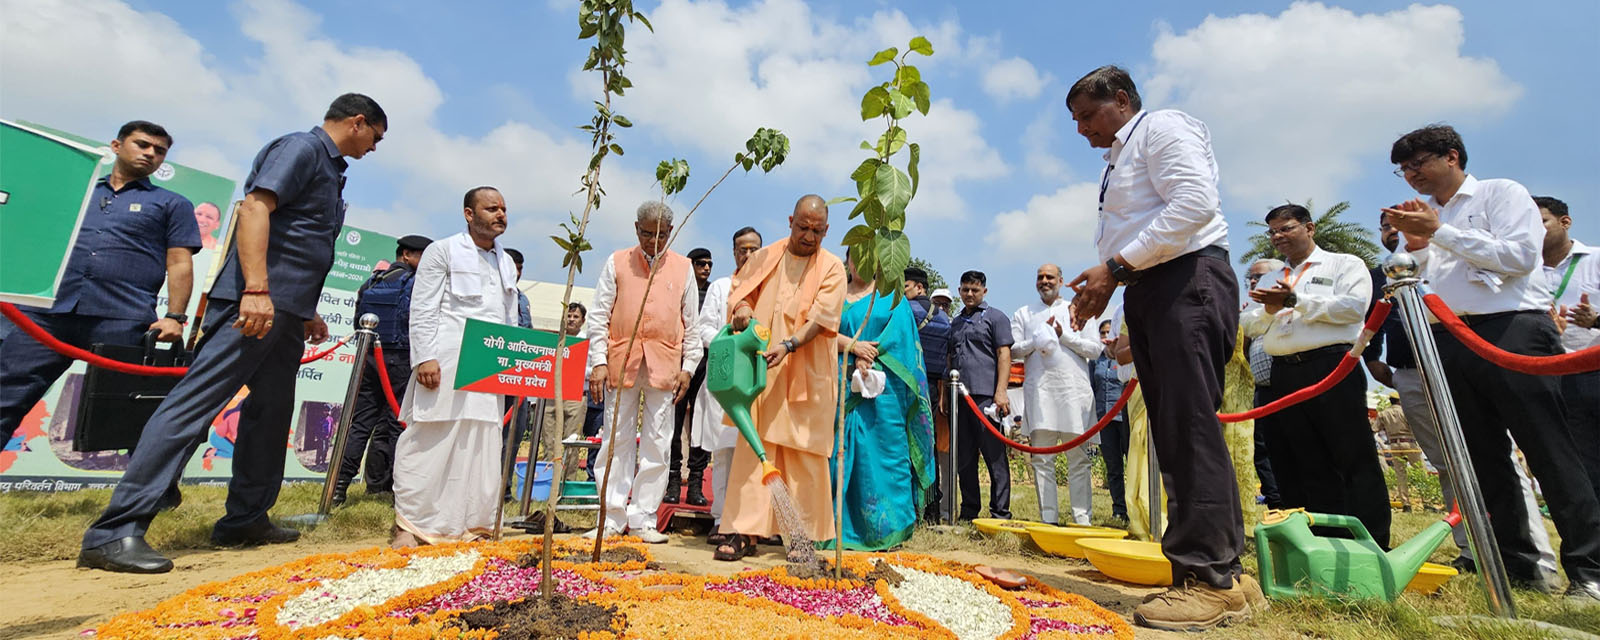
{"x":58,"y":600}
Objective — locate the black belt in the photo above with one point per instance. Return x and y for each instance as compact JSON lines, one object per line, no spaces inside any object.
{"x":1311,"y":354}
{"x":1475,"y":319}
{"x":1212,"y":251}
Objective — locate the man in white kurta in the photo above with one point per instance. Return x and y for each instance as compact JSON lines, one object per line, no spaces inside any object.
{"x":447,"y":461}
{"x":650,"y":372}
{"x":707,"y":431}
{"x":1057,"y":394}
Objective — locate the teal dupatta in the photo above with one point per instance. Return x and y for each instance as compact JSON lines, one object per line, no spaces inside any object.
{"x":888,"y":440}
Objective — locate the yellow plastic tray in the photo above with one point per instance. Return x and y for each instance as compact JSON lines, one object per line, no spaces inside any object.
{"x":1132,"y":561}
{"x":1063,"y":540}
{"x":1430,"y":577}
{"x":997,"y":526}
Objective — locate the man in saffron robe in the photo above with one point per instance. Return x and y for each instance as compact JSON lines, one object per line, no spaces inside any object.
{"x":796,"y":289}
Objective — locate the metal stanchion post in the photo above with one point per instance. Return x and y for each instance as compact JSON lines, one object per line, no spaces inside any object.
{"x":364,"y":337}
{"x":1403,"y":270}
{"x":508,"y":461}
{"x":533,"y":454}
{"x":954,"y":416}
{"x":1154,"y":478}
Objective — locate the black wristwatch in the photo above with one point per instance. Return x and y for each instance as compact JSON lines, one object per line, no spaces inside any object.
{"x":1289,"y":301}
{"x":182,"y":319}
{"x":788,"y":343}
{"x":1122,"y":273}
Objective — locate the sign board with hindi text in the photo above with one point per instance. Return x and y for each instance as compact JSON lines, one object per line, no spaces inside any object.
{"x":498,"y":358}
{"x":45,"y":184}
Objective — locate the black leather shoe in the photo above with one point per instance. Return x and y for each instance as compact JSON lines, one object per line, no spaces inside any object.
{"x":127,"y":555}
{"x":1541,"y":584}
{"x":1464,"y":564}
{"x":674,"y":490}
{"x":696,"y":497}
{"x":1584,"y":593}
{"x":258,"y":534}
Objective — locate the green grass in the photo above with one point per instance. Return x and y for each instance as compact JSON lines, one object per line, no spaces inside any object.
{"x":37,"y":527}
{"x":48,"y":526}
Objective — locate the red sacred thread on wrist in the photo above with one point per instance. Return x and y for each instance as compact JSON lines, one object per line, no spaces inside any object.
{"x":255,"y":292}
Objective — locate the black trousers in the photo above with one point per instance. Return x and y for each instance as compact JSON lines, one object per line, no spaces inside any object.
{"x":28,"y":368}
{"x":1322,"y":449}
{"x":1581,"y":391}
{"x":1269,"y":480}
{"x":374,"y":426}
{"x":974,"y":440}
{"x":224,"y":361}
{"x":1183,"y":318}
{"x":698,"y":458}
{"x":1114,"y":449}
{"x":1495,"y":405}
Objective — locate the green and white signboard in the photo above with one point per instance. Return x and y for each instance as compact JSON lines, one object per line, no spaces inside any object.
{"x":45,"y":182}
{"x":513,"y":361}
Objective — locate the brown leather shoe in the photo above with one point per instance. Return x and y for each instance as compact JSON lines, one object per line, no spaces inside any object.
{"x":1194,"y":606}
{"x":1252,"y":592}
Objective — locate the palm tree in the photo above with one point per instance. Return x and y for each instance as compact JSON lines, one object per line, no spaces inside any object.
{"x":1333,"y":234}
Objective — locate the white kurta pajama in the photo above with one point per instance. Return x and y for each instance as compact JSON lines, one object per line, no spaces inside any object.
{"x":707,"y":431}
{"x":447,"y":460}
{"x":642,"y":452}
{"x":1058,"y":398}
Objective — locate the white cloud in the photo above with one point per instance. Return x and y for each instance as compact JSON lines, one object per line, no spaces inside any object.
{"x":1039,"y":139}
{"x":1013,"y":78}
{"x":220,"y":117}
{"x":1301,"y":103}
{"x":710,"y":75}
{"x":1056,"y":227}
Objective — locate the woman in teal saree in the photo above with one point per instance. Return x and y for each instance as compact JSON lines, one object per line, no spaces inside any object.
{"x":887,"y":440}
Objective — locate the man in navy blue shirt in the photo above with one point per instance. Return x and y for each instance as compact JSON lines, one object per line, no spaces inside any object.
{"x":263,"y":308}
{"x":980,"y":348}
{"x":933,"y":331}
{"x":133,"y":234}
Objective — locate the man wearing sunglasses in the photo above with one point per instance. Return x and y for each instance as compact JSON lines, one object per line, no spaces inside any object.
{"x":700,"y":261}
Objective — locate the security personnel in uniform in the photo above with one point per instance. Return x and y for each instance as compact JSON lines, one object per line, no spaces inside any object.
{"x":133,"y":233}
{"x":263,"y":309}
{"x":374,"y":427}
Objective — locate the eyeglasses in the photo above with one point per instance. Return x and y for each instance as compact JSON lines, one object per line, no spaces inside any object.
{"x":1282,"y":230}
{"x":702,"y":263}
{"x":1414,"y":165}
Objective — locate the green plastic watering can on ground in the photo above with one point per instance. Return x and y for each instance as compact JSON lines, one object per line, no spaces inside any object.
{"x":736,"y":374}
{"x":1295,"y":562}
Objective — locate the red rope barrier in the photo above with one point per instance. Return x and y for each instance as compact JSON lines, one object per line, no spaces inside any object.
{"x":1575,"y":362}
{"x":1380,"y":311}
{"x":1106,"y":419}
{"x":383,"y":379}
{"x":28,"y":326}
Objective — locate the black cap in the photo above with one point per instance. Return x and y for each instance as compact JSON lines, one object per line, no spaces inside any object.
{"x":700,"y":253}
{"x":917,"y":275}
{"x":414,"y":242}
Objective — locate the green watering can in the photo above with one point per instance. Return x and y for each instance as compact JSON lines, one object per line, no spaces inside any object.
{"x":1295,"y":562}
{"x":735,"y":375}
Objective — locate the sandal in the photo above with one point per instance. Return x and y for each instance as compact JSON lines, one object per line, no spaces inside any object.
{"x":716,"y":539}
{"x":734,"y":547}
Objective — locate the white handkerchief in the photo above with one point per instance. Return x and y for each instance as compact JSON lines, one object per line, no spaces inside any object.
{"x":869,"y":385}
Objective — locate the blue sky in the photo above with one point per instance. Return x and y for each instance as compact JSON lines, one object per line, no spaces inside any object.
{"x":1303,"y":101}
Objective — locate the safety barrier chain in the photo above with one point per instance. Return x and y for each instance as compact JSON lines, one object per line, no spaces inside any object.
{"x":1106,"y":419}
{"x":28,"y":326}
{"x":1556,"y":365}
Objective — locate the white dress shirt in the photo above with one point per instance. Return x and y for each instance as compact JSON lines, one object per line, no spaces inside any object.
{"x":1056,"y":390}
{"x":1485,"y":256}
{"x":605,"y":297}
{"x":455,"y":281}
{"x":1585,"y":279}
{"x":707,"y":431}
{"x":1159,"y":198}
{"x":1332,"y":291}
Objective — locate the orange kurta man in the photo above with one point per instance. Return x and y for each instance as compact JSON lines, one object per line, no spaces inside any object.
{"x":795,"y":415}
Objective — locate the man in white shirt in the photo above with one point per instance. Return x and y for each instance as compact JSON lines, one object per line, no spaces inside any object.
{"x":708,"y":432}
{"x":1162,"y":234}
{"x":447,"y":460}
{"x":1056,"y":391}
{"x":1478,"y":245}
{"x":652,"y":370}
{"x":1261,"y":369}
{"x":1322,"y":451}
{"x":1572,"y":270}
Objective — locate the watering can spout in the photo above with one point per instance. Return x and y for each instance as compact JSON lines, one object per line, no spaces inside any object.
{"x":1406,"y":559}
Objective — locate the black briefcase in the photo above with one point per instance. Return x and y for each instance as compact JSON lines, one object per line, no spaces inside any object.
{"x":114,"y":406}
